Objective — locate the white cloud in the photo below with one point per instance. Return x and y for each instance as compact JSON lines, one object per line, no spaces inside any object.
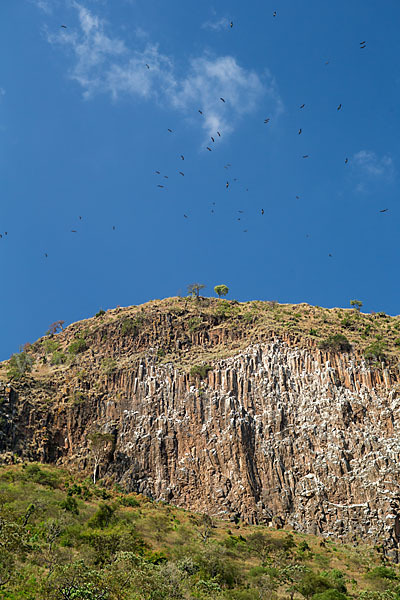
{"x":104,"y":64}
{"x":45,"y":5}
{"x":374,"y":166}
{"x":222,"y":23}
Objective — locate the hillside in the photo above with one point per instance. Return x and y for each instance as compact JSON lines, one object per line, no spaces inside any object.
{"x":256,"y":411}
{"x":62,"y":537}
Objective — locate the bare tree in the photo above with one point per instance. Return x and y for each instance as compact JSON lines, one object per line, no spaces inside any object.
{"x":194,"y":289}
{"x":99,"y":446}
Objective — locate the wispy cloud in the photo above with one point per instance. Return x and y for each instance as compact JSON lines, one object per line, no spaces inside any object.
{"x":45,"y":5}
{"x":374,"y":166}
{"x":217,"y":24}
{"x":103,"y":63}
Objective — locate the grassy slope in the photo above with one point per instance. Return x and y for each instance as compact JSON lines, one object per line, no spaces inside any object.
{"x":152,"y":551}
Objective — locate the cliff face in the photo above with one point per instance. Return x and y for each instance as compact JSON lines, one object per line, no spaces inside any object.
{"x":279,"y":432}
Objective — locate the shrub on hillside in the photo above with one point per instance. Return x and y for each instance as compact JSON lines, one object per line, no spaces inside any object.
{"x":19,"y":365}
{"x":376,"y":351}
{"x":77,"y":346}
{"x":102,"y":517}
{"x":200,"y":371}
{"x":336,"y":343}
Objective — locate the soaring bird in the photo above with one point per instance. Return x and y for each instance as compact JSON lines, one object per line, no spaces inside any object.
{"x":306,"y":156}
{"x":363,"y":44}
{"x":330,"y":255}
{"x":241,"y":211}
{"x":200,"y":111}
{"x":339,"y":107}
{"x":274,"y":14}
{"x":384,"y":210}
{"x":222,"y":99}
{"x":113,"y":227}
{"x":219,"y":135}
{"x":170,"y":130}
{"x":297,"y":197}
{"x":267,"y":120}
{"x":262,"y":211}
{"x":64,"y":26}
{"x":45,"y":254}
{"x":327,"y":62}
{"x":209,"y":149}
{"x":73,"y":230}
{"x":300,"y":130}
{"x":165,"y":176}
{"x":147,"y":66}
{"x":212,"y":139}
{"x":80,"y":218}
{"x":346,"y":161}
{"x":231,"y":24}
{"x":302,"y":106}
{"x":180,"y":173}
{"x":245,"y":230}
{"x":227,"y":184}
{"x":158,"y":172}
{"x":182,"y":157}
{"x":185,"y":216}
{"x":160,"y":186}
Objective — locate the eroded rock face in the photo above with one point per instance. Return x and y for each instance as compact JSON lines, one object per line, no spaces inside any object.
{"x":276,"y":434}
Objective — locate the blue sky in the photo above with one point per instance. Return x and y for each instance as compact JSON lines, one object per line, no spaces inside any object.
{"x":84,"y":126}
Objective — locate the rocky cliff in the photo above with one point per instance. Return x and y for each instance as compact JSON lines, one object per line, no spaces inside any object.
{"x":269,"y":428}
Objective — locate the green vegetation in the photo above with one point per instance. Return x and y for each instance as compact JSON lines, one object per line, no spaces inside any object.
{"x":108,"y":365}
{"x":100,"y":313}
{"x":66,"y":539}
{"x":376,"y":351}
{"x":131,"y":326}
{"x":77,"y":346}
{"x":357,"y":304}
{"x":19,"y":365}
{"x":336,"y":343}
{"x":200,"y":371}
{"x":221,"y":290}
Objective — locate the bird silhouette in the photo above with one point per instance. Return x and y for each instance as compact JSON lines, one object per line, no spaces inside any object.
{"x":80,"y":218}
{"x":200,"y":111}
{"x":45,"y":254}
{"x":384,"y":210}
{"x":274,"y":13}
{"x":165,"y":176}
{"x":160,"y":186}
{"x":223,"y":100}
{"x":180,"y":173}
{"x":147,"y":66}
{"x":158,"y":172}
{"x":212,"y":139}
{"x":262,"y":211}
{"x":346,"y":161}
{"x":185,"y":216}
{"x":300,"y":130}
{"x":302,"y":106}
{"x":170,"y":130}
{"x":267,"y":120}
{"x":209,"y":149}
{"x":219,"y":135}
{"x":64,"y":26}
{"x":245,"y":230}
{"x":330,"y":255}
{"x":297,"y":197}
{"x":339,"y":107}
{"x":327,"y":62}
{"x":306,"y":156}
{"x":227,"y":184}
{"x":113,"y":227}
{"x":73,"y":231}
{"x":231,"y":24}
{"x":182,"y":157}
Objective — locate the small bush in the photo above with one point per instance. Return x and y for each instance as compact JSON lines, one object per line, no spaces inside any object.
{"x":50,"y":345}
{"x":376,"y":351}
{"x":194,"y":323}
{"x":100,"y":313}
{"x":200,"y":371}
{"x":381,"y":572}
{"x":331,"y":594}
{"x":70,"y":505}
{"x":102,"y":517}
{"x":77,"y":346}
{"x":58,"y":358}
{"x":336,"y":343}
{"x":313,"y":332}
{"x":34,"y":473}
{"x":130,"y":501}
{"x":131,"y":326}
{"x":108,"y":365}
{"x":19,"y":365}
{"x":397,"y":342}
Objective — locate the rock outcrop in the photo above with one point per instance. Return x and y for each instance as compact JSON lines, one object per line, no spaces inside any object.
{"x":279,"y":432}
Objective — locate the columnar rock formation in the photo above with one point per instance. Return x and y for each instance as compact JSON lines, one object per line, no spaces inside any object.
{"x":278,"y":433}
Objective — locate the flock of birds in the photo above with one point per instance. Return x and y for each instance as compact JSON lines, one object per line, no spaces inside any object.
{"x":218,"y":134}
